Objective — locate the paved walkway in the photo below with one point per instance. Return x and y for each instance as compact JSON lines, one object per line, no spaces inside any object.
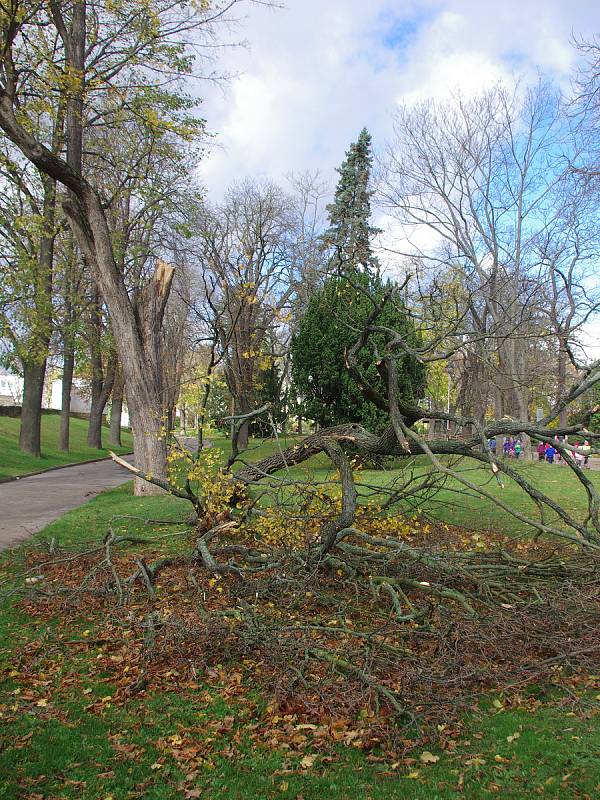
{"x":29,"y":504}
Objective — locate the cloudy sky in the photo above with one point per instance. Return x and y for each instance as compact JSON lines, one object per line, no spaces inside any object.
{"x":315,"y":71}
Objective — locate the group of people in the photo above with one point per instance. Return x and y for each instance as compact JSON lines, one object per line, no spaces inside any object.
{"x":511,"y":448}
{"x":547,"y":451}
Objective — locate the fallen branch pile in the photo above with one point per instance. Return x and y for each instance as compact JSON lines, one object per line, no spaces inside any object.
{"x":399,"y":635}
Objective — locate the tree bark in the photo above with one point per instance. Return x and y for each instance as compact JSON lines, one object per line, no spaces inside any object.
{"x":102,"y":385}
{"x":31,"y":409}
{"x":116,"y":411}
{"x":243,"y":436}
{"x":145,"y":393}
{"x":67,"y":387}
{"x":149,"y":449}
{"x":561,"y":377}
{"x":34,"y":363}
{"x":75,"y":52}
{"x":170,"y":418}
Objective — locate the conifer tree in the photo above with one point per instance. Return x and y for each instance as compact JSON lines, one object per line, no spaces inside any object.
{"x":350,"y":232}
{"x":338,"y":311}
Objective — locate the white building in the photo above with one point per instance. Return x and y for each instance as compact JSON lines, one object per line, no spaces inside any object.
{"x":11,"y":388}
{"x":11,"y":394}
{"x":80,"y":402}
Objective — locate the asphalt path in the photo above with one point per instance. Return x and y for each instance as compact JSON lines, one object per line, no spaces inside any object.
{"x":29,"y":504}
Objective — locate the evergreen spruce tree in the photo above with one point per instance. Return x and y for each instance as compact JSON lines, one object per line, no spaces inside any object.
{"x":350,"y":232}
{"x":339,"y":310}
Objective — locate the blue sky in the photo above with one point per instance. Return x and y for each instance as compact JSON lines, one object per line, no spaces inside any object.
{"x":314,"y":72}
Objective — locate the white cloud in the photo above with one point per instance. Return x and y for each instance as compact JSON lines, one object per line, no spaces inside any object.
{"x":316,"y":71}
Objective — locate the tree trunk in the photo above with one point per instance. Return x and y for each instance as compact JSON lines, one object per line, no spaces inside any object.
{"x":144,"y":381}
{"x":116,"y":411}
{"x":170,"y":420}
{"x":31,"y":409}
{"x":74,"y":147}
{"x":94,"y":437}
{"x":242,"y":407}
{"x":149,"y":442}
{"x":34,"y":367}
{"x":243,"y":436}
{"x":67,"y":386}
{"x":136,"y":323}
{"x":102,"y":385}
{"x":561,"y":378}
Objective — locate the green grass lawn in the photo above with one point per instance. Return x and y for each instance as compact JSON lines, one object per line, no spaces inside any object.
{"x":451,"y":504}
{"x":64,"y":736}
{"x":13,"y":462}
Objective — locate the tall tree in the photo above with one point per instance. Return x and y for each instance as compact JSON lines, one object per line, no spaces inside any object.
{"x":128,"y":49}
{"x":485,"y":178}
{"x":29,"y":222}
{"x":350,"y":233}
{"x":251,"y":270}
{"x":341,"y":308}
{"x":330,"y":394}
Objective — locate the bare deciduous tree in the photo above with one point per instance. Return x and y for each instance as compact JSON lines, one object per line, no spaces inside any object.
{"x":481,"y":180}
{"x":250,"y":263}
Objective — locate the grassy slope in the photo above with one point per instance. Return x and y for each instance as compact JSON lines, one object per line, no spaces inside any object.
{"x":554,"y":756}
{"x":14,"y":462}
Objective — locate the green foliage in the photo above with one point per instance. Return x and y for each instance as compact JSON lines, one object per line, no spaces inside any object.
{"x":590,"y":399}
{"x":328,"y":330}
{"x":337,"y":313}
{"x":27,"y":226}
{"x":349,"y":234}
{"x":219,"y":402}
{"x":142,"y":132}
{"x":269,"y":390}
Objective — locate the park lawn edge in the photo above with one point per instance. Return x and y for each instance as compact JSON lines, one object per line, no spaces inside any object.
{"x":15,"y":464}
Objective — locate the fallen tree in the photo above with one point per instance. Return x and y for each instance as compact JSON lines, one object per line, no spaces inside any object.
{"x":342,"y":577}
